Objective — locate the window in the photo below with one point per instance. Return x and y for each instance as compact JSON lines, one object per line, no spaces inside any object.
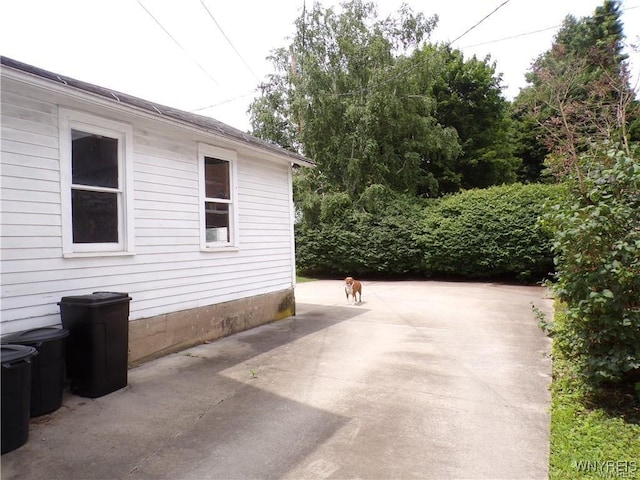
{"x":217,"y":192}
{"x":95,"y":185}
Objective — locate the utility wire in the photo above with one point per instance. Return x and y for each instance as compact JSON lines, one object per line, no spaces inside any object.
{"x":489,"y":42}
{"x":178,"y":43}
{"x":229,"y":41}
{"x":482,"y":20}
{"x":228,"y":100}
{"x":414,"y":67}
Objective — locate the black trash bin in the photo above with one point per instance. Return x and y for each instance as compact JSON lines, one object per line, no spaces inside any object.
{"x":98,"y":344}
{"x":47,"y":368}
{"x":16,"y":395}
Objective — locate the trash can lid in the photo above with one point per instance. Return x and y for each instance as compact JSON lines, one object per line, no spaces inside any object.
{"x":14,"y":353}
{"x":36,"y":335}
{"x":96,"y":298}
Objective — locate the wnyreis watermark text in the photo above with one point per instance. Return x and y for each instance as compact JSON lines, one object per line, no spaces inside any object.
{"x":609,"y":468}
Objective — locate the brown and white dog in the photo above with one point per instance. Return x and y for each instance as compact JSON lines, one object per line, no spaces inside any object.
{"x":352,"y":288}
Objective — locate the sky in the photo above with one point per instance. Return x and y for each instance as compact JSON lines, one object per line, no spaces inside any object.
{"x":209,"y":56}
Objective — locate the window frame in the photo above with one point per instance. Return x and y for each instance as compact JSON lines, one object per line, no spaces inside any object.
{"x":73,"y":120}
{"x":218,"y":153}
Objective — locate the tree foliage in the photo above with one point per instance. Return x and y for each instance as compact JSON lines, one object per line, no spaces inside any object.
{"x":468,"y":98}
{"x":579,"y":93}
{"x":597,"y":246}
{"x":583,"y":103}
{"x":528,"y":140}
{"x":374,"y":104}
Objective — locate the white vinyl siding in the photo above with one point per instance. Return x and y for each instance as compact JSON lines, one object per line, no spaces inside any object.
{"x":169,"y":271}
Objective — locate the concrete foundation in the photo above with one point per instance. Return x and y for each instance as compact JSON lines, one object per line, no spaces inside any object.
{"x":154,"y":337}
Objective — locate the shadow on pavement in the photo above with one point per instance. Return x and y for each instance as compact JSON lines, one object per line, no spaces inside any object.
{"x":260,"y":340}
{"x":193,"y":414}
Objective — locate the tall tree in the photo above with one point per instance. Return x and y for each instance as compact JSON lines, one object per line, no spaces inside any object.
{"x":528,"y":139}
{"x":374,"y":104}
{"x":338,"y":96}
{"x":579,"y":92}
{"x":582,"y":99}
{"x":469,"y":98}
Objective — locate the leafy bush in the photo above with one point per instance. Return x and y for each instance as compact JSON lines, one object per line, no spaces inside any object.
{"x":476,"y":234}
{"x":492,"y":232}
{"x":378,"y":234}
{"x":597,"y":246}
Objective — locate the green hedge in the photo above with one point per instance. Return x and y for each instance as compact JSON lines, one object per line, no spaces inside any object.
{"x":377,"y":235}
{"x":475,"y":234}
{"x":490,"y":233}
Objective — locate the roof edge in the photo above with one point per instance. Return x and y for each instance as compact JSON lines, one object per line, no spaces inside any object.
{"x":201,"y":122}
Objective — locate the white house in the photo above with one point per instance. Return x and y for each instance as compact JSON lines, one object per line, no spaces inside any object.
{"x":102,"y":191}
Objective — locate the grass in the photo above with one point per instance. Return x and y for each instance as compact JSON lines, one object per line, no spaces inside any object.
{"x":300,"y":279}
{"x":594,"y":434}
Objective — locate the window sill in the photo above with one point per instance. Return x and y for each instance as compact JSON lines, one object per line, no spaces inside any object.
{"x":229,"y":248}
{"x":97,"y":254}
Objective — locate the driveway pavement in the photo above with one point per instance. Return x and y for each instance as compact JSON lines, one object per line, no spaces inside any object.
{"x":426,"y":380}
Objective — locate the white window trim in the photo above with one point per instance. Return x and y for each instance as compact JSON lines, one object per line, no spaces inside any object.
{"x":231,"y":156}
{"x":71,"y":119}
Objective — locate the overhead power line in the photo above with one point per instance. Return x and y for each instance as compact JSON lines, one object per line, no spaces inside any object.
{"x":400,"y":74}
{"x":228,"y":100}
{"x":178,"y":43}
{"x":229,"y":41}
{"x":533,"y":32}
{"x":479,"y":22}
{"x":489,"y":42}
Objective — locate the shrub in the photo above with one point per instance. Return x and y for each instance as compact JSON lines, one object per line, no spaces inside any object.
{"x":378,"y":234}
{"x":476,"y":234}
{"x":597,"y":247}
{"x":492,"y":232}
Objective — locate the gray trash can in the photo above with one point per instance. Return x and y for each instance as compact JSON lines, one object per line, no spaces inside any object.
{"x":98,"y":344}
{"x":47,"y":368}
